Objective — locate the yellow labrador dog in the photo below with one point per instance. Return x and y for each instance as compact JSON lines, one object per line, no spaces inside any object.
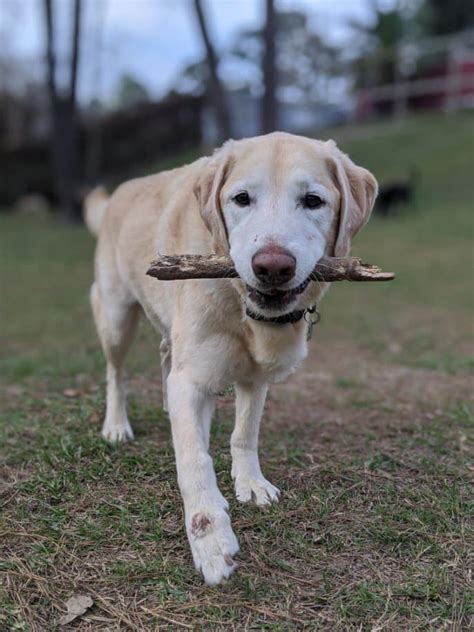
{"x":276,"y":204}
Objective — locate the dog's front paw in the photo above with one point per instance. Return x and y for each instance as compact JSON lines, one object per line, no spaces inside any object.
{"x":256,"y":489}
{"x":213,"y":545}
{"x":117,"y":431}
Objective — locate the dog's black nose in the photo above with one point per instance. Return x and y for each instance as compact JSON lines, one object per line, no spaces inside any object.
{"x":274,"y":265}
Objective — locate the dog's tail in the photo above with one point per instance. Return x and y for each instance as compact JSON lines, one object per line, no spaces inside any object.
{"x":95,"y":205}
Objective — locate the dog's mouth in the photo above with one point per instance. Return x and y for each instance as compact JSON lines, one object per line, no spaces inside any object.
{"x":274,"y":298}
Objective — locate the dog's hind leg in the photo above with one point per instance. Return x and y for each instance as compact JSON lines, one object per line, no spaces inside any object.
{"x":116,"y":323}
{"x":250,"y":484}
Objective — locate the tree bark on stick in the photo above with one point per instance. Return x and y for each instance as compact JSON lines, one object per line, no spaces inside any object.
{"x":216,"y":91}
{"x":328,"y":269}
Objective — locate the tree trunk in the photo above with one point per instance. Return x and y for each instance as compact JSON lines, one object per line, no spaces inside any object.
{"x":64,"y":124}
{"x":50,"y":56}
{"x":216,"y":91}
{"x":76,"y":34}
{"x":65,"y":160}
{"x":269,"y":103}
{"x":93,"y":150}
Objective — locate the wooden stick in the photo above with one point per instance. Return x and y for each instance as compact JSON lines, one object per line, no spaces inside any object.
{"x":180,"y":267}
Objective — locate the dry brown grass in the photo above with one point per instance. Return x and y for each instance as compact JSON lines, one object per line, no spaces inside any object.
{"x":371,"y":531}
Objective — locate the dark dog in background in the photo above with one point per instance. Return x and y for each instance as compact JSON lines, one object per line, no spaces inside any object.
{"x":396,"y":193}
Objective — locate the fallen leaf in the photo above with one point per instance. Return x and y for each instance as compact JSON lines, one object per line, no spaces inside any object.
{"x":95,"y":417}
{"x":71,"y":392}
{"x":76,"y":606}
{"x":14,"y":390}
{"x":395,"y":348}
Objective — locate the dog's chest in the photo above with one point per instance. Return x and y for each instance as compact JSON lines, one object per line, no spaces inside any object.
{"x":276,"y":350}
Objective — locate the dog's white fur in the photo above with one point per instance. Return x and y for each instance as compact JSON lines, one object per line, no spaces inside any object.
{"x":208,"y":342}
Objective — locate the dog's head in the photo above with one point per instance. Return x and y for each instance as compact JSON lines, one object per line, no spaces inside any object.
{"x":277,"y":204}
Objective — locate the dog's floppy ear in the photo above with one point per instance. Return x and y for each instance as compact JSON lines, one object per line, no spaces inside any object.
{"x":207,"y":191}
{"x":358,"y":189}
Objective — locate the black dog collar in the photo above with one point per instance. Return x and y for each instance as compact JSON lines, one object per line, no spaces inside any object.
{"x":310,"y":314}
{"x":285,"y":319}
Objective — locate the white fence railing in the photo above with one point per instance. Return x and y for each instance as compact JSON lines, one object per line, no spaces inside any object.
{"x":440,"y":69}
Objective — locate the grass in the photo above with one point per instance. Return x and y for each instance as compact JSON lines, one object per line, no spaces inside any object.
{"x":370,"y":442}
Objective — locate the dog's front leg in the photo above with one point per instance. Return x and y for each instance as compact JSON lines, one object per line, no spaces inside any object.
{"x":165,"y":354}
{"x":213,"y":543}
{"x":250,"y":484}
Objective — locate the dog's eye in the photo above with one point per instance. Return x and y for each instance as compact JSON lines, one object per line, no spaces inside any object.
{"x":242,"y":199}
{"x":311,"y":200}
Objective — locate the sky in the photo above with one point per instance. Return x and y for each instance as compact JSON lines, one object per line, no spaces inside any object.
{"x":153,"y":40}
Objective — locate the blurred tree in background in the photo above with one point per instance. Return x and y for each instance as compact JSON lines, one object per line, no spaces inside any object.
{"x":213,"y":85}
{"x":64,"y":112}
{"x":441,"y":17}
{"x":297,"y":69}
{"x":269,"y":102}
{"x":404,"y":22}
{"x":385,"y":32}
{"x":130,"y":91}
